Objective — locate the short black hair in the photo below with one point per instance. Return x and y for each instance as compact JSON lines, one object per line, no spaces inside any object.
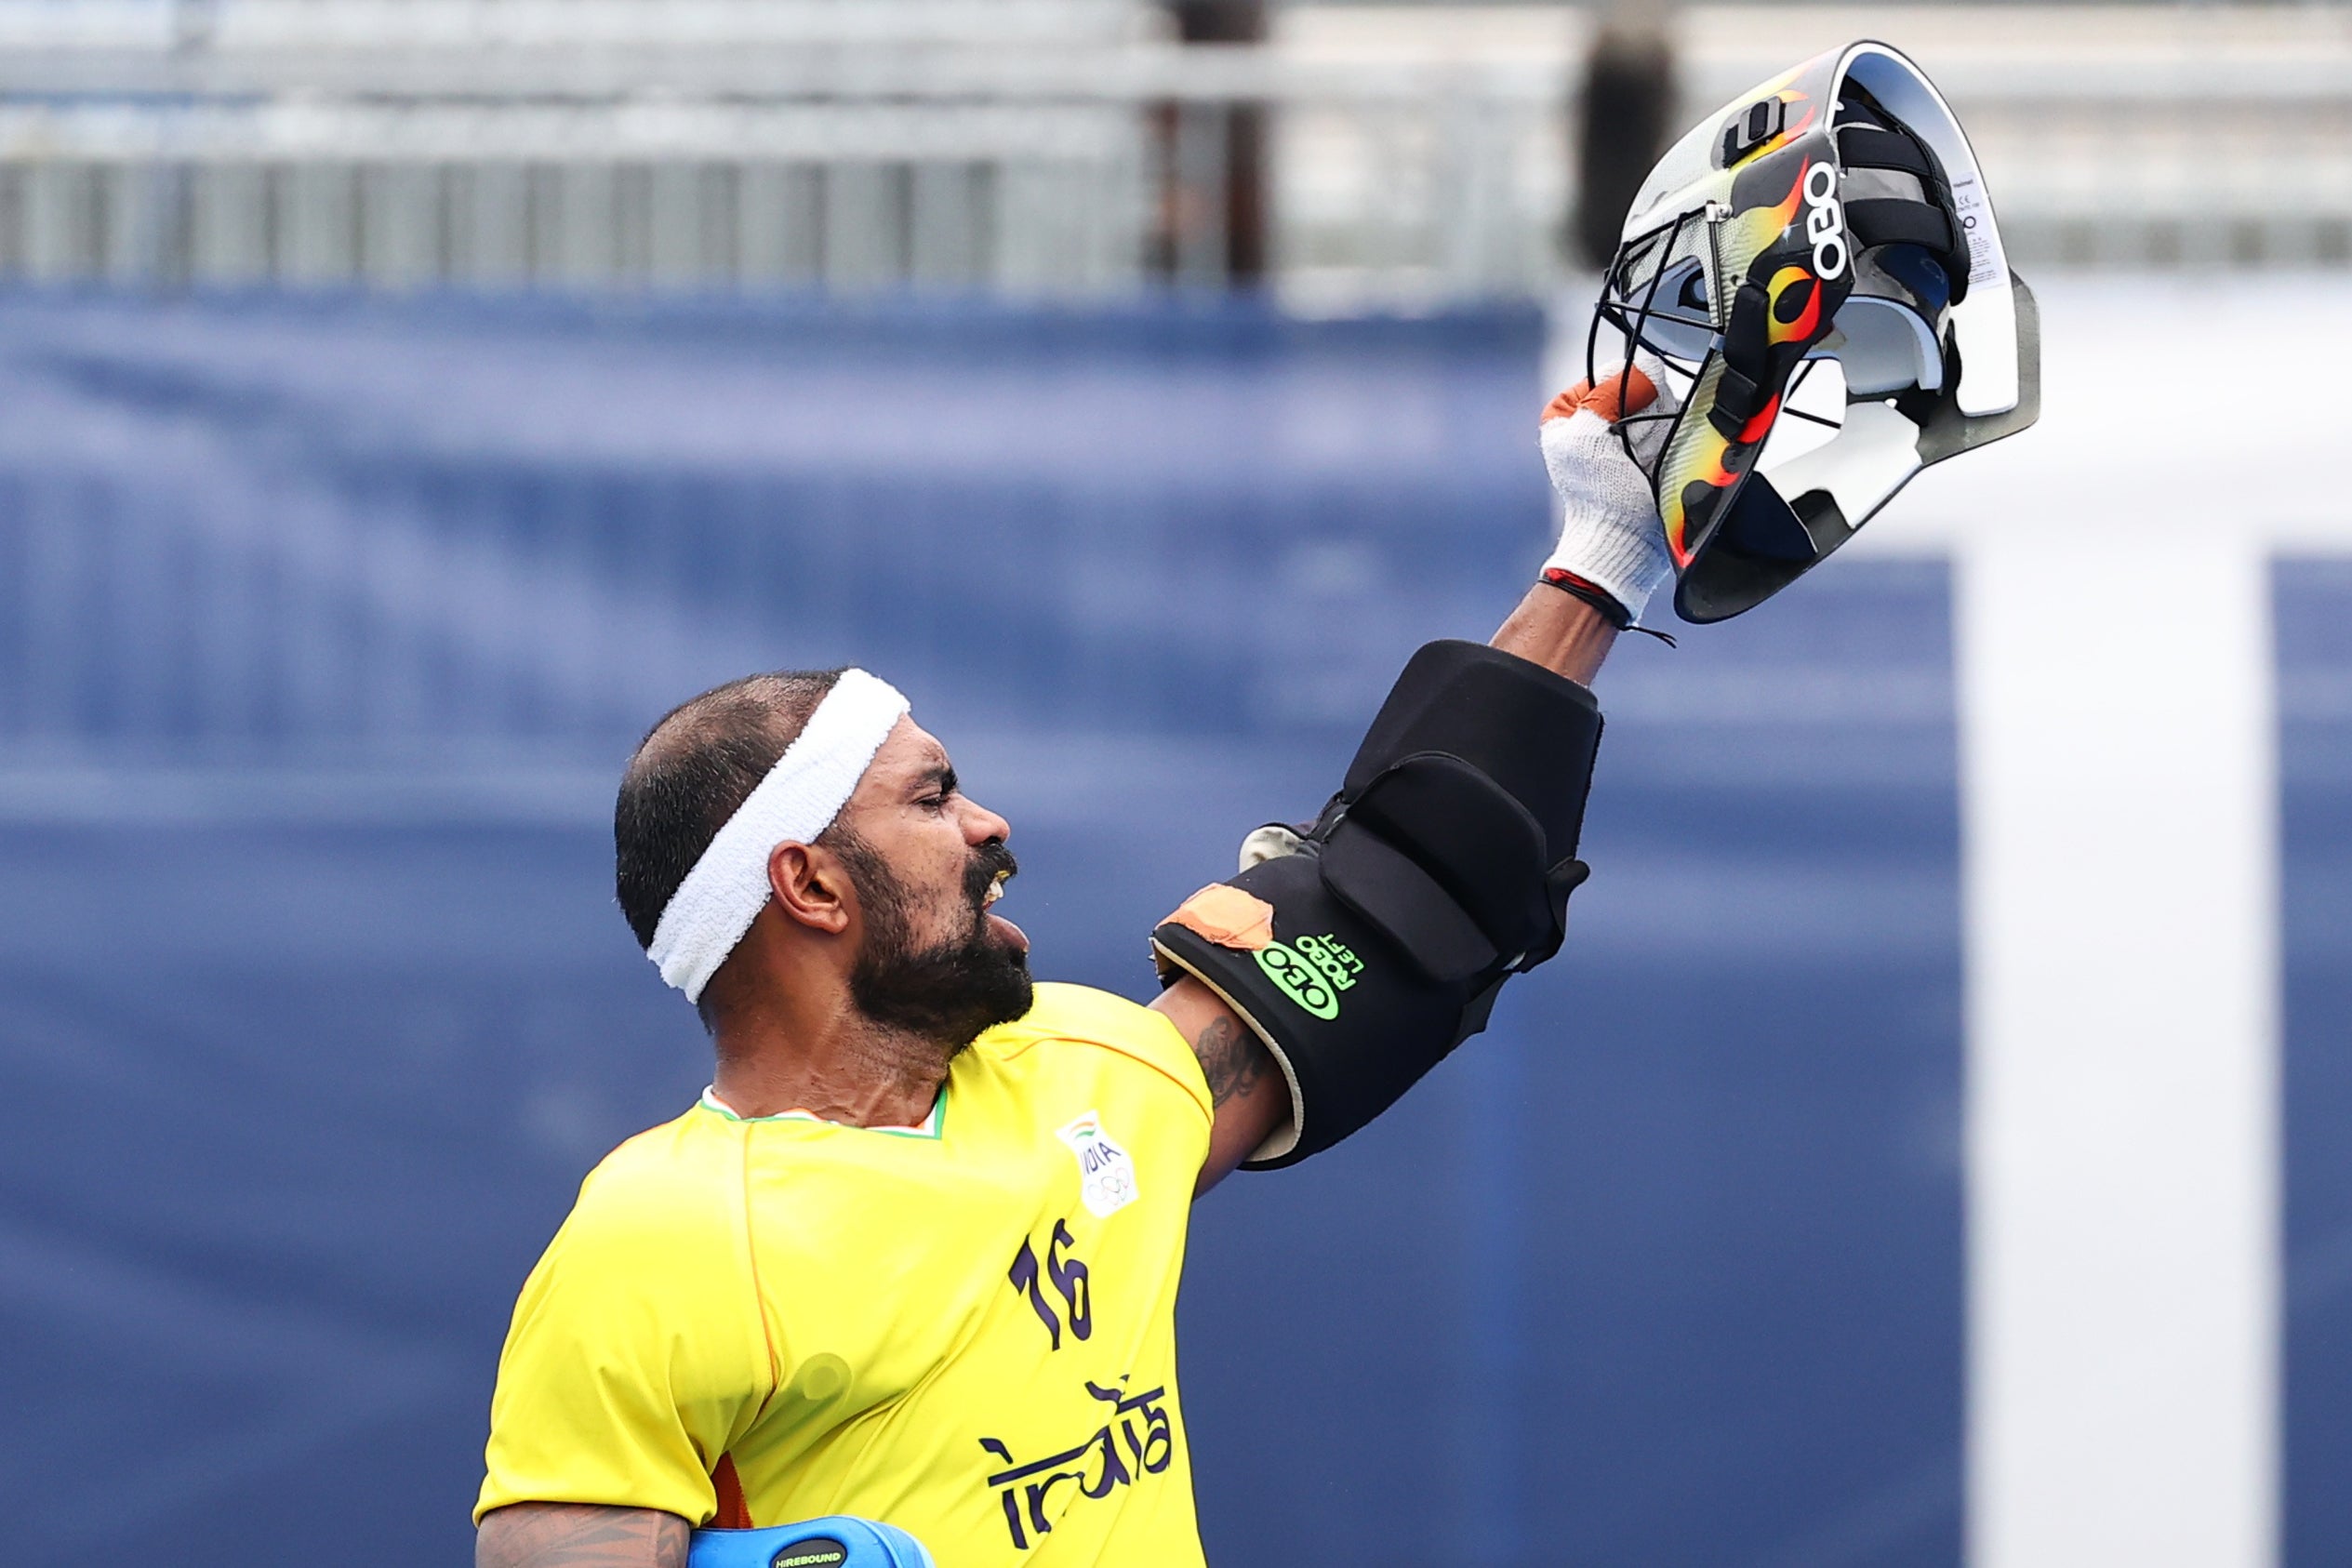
{"x":692,"y":770}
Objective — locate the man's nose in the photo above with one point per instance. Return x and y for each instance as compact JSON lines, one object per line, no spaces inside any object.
{"x":980,"y":824}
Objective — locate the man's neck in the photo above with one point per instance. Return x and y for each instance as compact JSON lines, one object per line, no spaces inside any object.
{"x":854,"y":1072}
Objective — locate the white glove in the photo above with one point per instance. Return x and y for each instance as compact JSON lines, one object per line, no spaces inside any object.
{"x":1611,"y":536}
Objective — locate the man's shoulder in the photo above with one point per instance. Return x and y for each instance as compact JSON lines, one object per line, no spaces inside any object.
{"x":1082,"y":1015}
{"x":644,"y":1305}
{"x":658,"y":1188}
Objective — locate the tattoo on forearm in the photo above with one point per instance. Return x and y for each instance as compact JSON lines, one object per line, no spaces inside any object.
{"x":1232,"y":1058}
{"x":578,"y":1536}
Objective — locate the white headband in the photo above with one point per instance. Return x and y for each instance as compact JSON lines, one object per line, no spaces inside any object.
{"x":797,"y":801}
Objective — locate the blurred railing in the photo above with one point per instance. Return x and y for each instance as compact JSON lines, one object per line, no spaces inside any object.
{"x":2139,"y":136}
{"x":1052,"y":147}
{"x":575,"y":142}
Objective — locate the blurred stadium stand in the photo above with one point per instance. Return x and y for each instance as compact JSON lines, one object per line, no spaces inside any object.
{"x":1055,"y":147}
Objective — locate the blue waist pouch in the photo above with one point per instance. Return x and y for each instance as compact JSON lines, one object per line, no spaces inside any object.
{"x":834,"y":1542}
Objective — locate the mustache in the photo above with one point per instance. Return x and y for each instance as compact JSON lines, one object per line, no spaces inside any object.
{"x":988,"y":861}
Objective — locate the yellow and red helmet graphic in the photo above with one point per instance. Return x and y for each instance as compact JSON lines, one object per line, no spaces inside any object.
{"x":1753,"y":226}
{"x":1695,"y":476}
{"x":1795,"y":313}
{"x":1763,"y":243}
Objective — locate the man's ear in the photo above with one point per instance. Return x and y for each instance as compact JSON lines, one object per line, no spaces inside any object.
{"x":811,"y":886}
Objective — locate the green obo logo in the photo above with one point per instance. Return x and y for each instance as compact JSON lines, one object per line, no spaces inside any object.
{"x":1312,"y":971}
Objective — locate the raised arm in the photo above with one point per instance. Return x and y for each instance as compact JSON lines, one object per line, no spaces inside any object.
{"x":1566,"y":636}
{"x":579,"y":1535}
{"x":1252,"y":1098}
{"x":1610,"y":556}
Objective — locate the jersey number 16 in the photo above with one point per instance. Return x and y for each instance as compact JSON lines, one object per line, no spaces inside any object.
{"x":1069,"y":1277}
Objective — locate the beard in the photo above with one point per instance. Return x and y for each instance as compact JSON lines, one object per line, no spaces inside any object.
{"x":945,"y":993}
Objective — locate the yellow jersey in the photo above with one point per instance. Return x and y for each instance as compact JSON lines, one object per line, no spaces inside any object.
{"x":966,"y":1329}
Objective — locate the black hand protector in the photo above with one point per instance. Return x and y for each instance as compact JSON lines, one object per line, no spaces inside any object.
{"x":1441,"y":869}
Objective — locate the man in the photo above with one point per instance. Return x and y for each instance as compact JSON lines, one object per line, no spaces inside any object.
{"x":914,"y":1255}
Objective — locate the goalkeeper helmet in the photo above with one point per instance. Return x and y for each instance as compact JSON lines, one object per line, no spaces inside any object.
{"x":1835,"y":214}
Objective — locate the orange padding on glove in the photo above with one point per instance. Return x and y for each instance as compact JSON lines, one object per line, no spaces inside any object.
{"x":1639,"y":390}
{"x":1231,"y":917}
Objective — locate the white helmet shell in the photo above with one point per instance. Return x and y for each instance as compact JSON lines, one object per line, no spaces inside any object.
{"x":1835,"y":212}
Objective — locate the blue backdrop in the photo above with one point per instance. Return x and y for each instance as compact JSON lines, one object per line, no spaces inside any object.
{"x":2313,"y":608}
{"x":325,"y":626}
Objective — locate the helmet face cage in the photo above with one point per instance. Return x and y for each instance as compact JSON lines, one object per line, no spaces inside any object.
{"x":1671,"y":295}
{"x":1657,"y":300}
{"x":1835,"y":212}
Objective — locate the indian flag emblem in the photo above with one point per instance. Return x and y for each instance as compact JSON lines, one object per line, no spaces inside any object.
{"x":1106,"y":1174}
